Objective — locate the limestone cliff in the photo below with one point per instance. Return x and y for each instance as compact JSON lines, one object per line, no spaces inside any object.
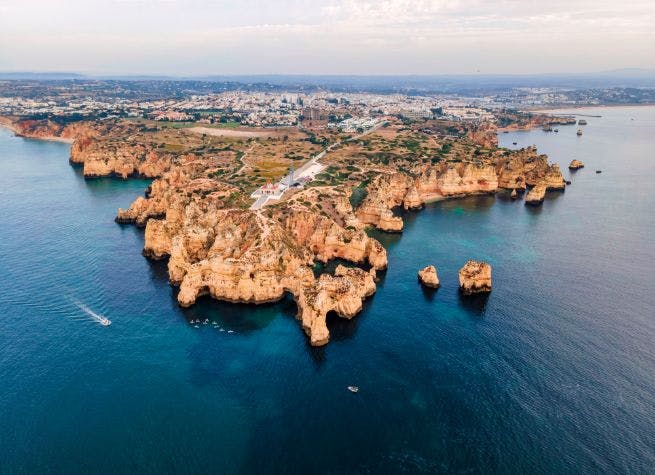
{"x":475,"y":277}
{"x":239,"y":255}
{"x":503,"y":169}
{"x":428,"y":277}
{"x":575,"y":165}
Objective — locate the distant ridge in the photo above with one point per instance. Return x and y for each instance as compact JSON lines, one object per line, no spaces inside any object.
{"x":42,"y":76}
{"x":411,"y":84}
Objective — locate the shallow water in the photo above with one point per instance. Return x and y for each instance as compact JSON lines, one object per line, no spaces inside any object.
{"x":553,"y":372}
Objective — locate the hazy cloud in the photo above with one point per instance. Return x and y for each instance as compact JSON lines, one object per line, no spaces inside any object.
{"x":325,"y":36}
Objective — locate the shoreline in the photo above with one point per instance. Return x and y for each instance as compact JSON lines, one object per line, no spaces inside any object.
{"x":590,"y":106}
{"x":51,"y":138}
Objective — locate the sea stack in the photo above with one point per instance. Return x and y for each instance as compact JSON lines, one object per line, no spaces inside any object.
{"x":536,"y":195}
{"x":576,"y":164}
{"x":475,"y":277}
{"x":428,"y":277}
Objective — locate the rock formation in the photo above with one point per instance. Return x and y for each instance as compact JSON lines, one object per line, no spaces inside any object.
{"x":475,"y":277}
{"x":536,"y":195}
{"x":507,"y":170}
{"x":239,"y":255}
{"x":195,"y":213}
{"x":428,"y":277}
{"x":342,"y":293}
{"x":576,"y":164}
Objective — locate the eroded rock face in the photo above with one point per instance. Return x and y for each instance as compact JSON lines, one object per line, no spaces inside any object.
{"x":536,"y":195}
{"x":475,"y":277}
{"x":342,"y":293}
{"x":575,"y":165}
{"x":412,"y":199}
{"x":239,"y":255}
{"x":428,"y":277}
{"x":511,"y":170}
{"x":122,"y":161}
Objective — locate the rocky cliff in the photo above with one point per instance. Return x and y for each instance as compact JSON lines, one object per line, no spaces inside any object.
{"x":475,"y":277}
{"x":503,"y":170}
{"x":239,"y":255}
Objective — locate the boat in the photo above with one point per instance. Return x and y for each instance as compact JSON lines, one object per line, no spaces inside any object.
{"x":579,"y":132}
{"x":599,"y":171}
{"x":582,"y":122}
{"x":513,"y":143}
{"x":104,"y":321}
{"x":547,"y":128}
{"x":353,"y":389}
{"x":556,"y":130}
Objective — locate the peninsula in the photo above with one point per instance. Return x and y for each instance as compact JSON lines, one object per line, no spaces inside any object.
{"x":203,"y":211}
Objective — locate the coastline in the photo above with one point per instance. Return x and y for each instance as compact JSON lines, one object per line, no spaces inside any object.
{"x":590,"y":106}
{"x":50,"y":138}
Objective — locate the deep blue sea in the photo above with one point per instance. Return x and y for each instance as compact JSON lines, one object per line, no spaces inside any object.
{"x":554,"y":372}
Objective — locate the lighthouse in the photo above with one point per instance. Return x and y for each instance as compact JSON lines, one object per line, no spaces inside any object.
{"x":290,"y":177}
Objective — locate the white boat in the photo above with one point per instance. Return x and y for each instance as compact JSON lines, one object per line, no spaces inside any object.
{"x":353,"y":389}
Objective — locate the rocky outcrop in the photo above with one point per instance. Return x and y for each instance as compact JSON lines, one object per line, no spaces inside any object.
{"x":342,"y":293}
{"x":511,"y":170}
{"x":123,"y":161}
{"x":575,"y":165}
{"x":428,"y":277}
{"x":536,"y":195}
{"x":239,"y":255}
{"x":484,"y":135}
{"x":475,"y":277}
{"x":386,"y":192}
{"x":412,"y":199}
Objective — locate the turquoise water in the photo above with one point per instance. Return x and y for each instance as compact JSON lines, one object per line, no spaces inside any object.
{"x":552,"y":373}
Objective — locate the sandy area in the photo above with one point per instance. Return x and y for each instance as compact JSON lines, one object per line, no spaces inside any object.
{"x":236,"y":133}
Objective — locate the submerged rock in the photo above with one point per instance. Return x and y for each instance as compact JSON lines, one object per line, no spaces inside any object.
{"x":475,"y":277}
{"x":428,"y":277}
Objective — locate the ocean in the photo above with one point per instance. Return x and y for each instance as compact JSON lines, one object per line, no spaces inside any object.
{"x":553,"y":372}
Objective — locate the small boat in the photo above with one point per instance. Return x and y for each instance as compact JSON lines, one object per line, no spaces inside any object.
{"x":582,"y":122}
{"x":353,"y":389}
{"x":196,"y":326}
{"x":230,"y":331}
{"x":513,"y":143}
{"x":556,"y":130}
{"x":599,"y":171}
{"x":104,"y":321}
{"x":507,"y":131}
{"x":579,"y":132}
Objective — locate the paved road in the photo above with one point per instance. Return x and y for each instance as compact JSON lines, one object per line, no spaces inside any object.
{"x":310,"y":168}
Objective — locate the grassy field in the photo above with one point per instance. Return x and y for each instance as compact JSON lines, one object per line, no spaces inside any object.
{"x":181,"y":125}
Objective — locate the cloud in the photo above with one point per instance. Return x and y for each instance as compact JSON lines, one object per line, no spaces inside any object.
{"x":319,"y":36}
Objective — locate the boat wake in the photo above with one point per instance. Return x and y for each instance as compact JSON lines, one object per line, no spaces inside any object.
{"x":102,"y":320}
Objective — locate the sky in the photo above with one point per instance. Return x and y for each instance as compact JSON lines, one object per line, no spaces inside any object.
{"x":202,"y":37}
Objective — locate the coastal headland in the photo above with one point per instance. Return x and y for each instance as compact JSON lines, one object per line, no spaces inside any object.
{"x":197,"y":212}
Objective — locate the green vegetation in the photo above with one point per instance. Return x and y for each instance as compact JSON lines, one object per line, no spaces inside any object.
{"x":358,"y":195}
